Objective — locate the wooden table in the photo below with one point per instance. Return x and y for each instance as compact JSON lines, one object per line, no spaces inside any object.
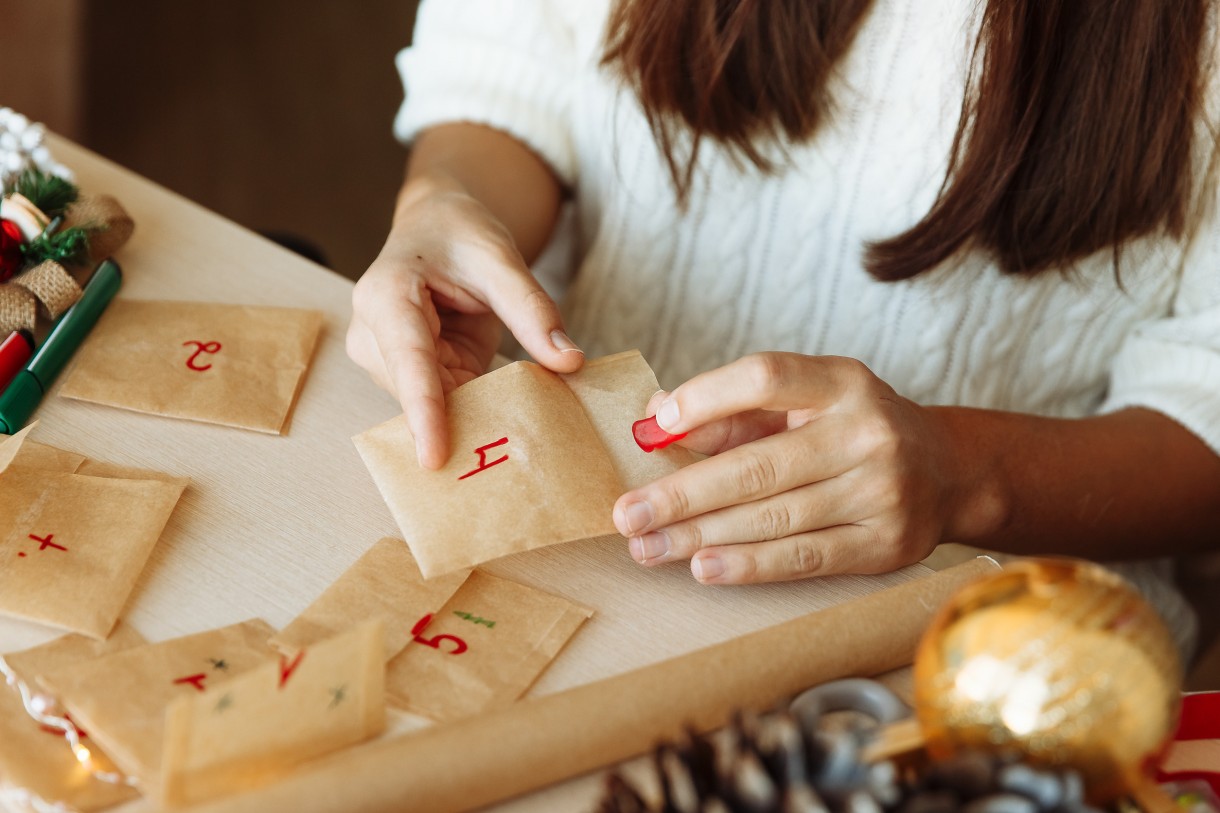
{"x":269,"y":522}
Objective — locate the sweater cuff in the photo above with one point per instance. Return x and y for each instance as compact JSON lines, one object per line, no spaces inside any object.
{"x":451,"y":81}
{"x":1180,"y":381}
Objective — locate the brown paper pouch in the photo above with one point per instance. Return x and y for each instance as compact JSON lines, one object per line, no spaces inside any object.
{"x":73,"y":546}
{"x":526,"y":471}
{"x":384,"y":583}
{"x":614,"y":392}
{"x":36,"y":763}
{"x":228,"y":364}
{"x":21,"y":452}
{"x":39,"y":456}
{"x":483,"y":649}
{"x":120,"y":699}
{"x":251,"y":729}
{"x":16,"y":446}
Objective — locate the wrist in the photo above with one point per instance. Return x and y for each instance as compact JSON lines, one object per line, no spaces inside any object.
{"x":978,"y":505}
{"x":421,"y":185}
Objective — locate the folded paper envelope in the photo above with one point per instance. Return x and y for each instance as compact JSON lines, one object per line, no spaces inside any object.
{"x":234,"y":365}
{"x":36,"y":761}
{"x":74,"y":543}
{"x":484,"y":648}
{"x":256,"y":727}
{"x":537,"y":459}
{"x":120,"y":699}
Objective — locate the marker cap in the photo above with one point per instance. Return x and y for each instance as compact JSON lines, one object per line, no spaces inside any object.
{"x":18,"y":402}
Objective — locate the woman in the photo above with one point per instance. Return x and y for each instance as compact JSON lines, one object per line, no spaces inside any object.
{"x":921,"y":271}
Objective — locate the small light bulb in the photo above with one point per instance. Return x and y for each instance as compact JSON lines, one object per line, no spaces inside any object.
{"x":82,"y":754}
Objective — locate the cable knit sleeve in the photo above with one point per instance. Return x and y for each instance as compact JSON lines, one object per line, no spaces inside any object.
{"x":1172,"y":364}
{"x":508,"y":64}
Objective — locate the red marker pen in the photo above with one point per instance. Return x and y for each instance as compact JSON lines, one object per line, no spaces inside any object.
{"x":14,"y":353}
{"x":649,"y":435}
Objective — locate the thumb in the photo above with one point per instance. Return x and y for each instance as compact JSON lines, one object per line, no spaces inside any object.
{"x":533,"y":318}
{"x":726,"y":433}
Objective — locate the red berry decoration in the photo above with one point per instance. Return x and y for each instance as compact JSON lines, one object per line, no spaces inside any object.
{"x":11,"y":259}
{"x":649,"y":435}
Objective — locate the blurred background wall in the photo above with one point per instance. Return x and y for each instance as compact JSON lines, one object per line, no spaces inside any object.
{"x":274,"y":113}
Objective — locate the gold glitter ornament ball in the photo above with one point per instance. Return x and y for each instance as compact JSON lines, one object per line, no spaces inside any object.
{"x":1059,"y":660}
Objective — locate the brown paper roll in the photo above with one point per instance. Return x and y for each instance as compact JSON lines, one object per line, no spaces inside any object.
{"x":485,"y":759}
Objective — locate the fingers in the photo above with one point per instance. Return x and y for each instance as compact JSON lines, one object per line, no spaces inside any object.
{"x":729,"y":433}
{"x":809,"y":508}
{"x":841,"y":549}
{"x":533,"y":318}
{"x":765,"y":467}
{"x":770,"y":381}
{"x":412,"y":365}
{"x":399,"y":322}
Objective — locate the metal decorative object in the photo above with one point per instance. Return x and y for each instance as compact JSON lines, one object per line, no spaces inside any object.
{"x":1060,"y":660}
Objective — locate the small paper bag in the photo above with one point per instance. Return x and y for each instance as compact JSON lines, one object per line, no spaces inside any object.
{"x":73,"y":545}
{"x":529,"y":466}
{"x":27,"y":665}
{"x":229,"y":364}
{"x":256,"y":727}
{"x":29,"y":454}
{"x":120,"y":699}
{"x":384,"y":583}
{"x":35,"y":760}
{"x":614,"y":392}
{"x":484,"y":648}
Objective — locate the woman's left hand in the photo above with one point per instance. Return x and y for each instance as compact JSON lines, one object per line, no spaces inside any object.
{"x":817,"y":467}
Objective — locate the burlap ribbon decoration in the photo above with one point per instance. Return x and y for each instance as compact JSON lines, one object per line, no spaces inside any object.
{"x":108,"y":222}
{"x":49,"y":285}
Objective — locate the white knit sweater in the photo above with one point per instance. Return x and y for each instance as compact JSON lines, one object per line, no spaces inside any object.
{"x":774,"y":262}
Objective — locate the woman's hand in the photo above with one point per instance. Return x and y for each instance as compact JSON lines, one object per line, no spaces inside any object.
{"x":817,"y":467}
{"x":427,"y":313}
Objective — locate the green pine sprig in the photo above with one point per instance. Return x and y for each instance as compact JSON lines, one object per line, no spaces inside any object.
{"x":50,"y":193}
{"x":64,"y":247}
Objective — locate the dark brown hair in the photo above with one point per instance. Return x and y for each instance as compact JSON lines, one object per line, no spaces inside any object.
{"x":1076,"y":130}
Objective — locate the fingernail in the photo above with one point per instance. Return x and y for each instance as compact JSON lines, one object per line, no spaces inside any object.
{"x":707,"y":567}
{"x":563,"y":343}
{"x":638,"y":516}
{"x":649,"y":546}
{"x":667,"y":415}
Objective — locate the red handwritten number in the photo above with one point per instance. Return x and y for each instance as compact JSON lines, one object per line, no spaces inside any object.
{"x":287,"y":667}
{"x":194,"y":680}
{"x":435,"y":640}
{"x":45,"y":542}
{"x":203,"y":347}
{"x":482,"y":453}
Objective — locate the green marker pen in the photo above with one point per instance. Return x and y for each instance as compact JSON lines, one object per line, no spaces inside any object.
{"x":31,"y":383}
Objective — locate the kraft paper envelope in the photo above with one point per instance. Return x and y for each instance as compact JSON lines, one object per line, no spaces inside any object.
{"x":73,"y":545}
{"x":120,"y":699}
{"x":256,"y":727}
{"x":36,"y":763}
{"x":234,"y":365}
{"x":483,"y":649}
{"x":384,"y":583}
{"x":537,"y":459}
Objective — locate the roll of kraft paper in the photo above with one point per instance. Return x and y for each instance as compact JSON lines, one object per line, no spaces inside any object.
{"x":538,"y":742}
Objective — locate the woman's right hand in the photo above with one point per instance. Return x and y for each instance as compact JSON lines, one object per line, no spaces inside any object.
{"x":427,"y":313}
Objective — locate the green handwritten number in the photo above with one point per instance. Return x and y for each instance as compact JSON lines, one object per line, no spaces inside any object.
{"x":474,"y":619}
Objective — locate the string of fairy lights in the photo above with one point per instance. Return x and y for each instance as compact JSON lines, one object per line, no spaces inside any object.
{"x":45,"y":711}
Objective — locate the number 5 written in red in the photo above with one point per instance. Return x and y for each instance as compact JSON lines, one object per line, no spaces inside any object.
{"x":435,"y":641}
